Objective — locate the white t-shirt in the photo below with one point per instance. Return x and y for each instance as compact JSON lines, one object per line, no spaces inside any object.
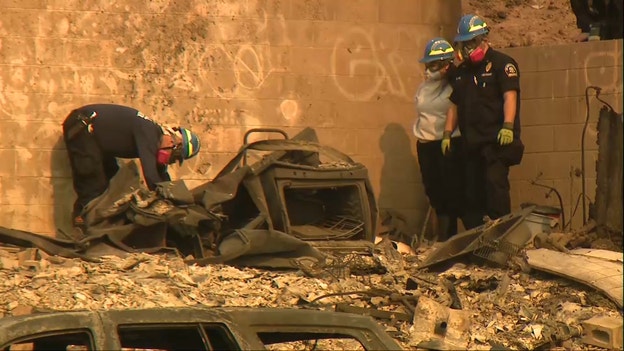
{"x":432,"y":103}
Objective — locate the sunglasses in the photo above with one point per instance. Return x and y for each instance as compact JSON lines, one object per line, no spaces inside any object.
{"x":470,"y":44}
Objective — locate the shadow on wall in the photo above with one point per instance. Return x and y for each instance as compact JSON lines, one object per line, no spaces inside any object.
{"x":401,"y":195}
{"x":62,"y":189}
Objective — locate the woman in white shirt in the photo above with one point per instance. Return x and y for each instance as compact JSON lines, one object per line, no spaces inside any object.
{"x":441,"y":175}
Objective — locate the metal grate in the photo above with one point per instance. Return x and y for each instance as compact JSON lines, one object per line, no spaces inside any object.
{"x":342,"y":226}
{"x":331,"y":228}
{"x":497,"y":251}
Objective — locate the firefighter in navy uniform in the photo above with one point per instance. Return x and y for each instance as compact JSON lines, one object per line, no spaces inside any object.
{"x":486,"y":106}
{"x":96,"y":135}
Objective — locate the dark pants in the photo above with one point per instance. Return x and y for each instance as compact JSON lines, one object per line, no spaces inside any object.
{"x":443,"y":181}
{"x":91,"y":169}
{"x":487,"y":182}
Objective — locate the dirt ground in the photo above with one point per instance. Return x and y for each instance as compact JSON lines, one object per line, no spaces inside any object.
{"x":526,"y":22}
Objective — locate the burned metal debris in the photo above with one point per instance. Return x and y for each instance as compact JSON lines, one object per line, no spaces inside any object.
{"x":300,"y":198}
{"x":496,"y":241}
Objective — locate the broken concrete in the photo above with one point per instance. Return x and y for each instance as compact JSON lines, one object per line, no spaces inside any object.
{"x":438,"y":327}
{"x":603,"y":331}
{"x":593,"y":268}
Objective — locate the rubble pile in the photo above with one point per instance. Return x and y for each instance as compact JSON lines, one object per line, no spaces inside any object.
{"x":502,"y":307}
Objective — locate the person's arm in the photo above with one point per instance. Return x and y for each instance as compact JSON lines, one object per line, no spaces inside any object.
{"x":510,"y":103}
{"x":163,"y":173}
{"x":449,"y":127}
{"x":147,"y":138}
{"x":451,"y":119}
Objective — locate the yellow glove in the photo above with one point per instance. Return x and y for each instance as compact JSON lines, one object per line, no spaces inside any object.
{"x":505,"y":135}
{"x":446,"y":142}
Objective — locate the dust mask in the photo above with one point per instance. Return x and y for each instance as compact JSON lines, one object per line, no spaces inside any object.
{"x":475,"y":55}
{"x":163,"y":156}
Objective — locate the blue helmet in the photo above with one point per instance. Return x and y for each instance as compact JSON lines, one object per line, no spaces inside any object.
{"x":437,"y":49}
{"x":469,"y":27}
{"x":190,"y":143}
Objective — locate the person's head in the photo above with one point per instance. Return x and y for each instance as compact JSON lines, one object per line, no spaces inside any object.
{"x":178,"y":144}
{"x":471,"y":38}
{"x":437,"y":58}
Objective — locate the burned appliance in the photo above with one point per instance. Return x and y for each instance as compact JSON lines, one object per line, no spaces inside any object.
{"x":328,"y":203}
{"x":310,"y":191}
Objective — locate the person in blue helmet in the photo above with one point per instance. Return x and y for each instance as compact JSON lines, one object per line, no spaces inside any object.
{"x":485,"y":104}
{"x":441,"y":174}
{"x":96,"y":135}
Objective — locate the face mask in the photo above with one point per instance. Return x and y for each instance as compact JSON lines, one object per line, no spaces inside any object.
{"x":433,"y":75}
{"x":477,"y":55}
{"x":163,"y":157}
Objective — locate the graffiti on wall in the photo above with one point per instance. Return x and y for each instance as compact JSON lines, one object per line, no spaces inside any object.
{"x":602,"y":69}
{"x":366,"y":58}
{"x":220,"y":67}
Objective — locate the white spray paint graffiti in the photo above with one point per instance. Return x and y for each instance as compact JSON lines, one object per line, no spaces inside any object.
{"x":386,"y":74}
{"x":609,"y":59}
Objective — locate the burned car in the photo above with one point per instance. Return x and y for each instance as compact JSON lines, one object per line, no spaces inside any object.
{"x":192,"y":328}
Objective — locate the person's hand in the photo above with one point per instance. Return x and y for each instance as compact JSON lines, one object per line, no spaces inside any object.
{"x":446,"y":142}
{"x":505,"y":135}
{"x":581,"y":37}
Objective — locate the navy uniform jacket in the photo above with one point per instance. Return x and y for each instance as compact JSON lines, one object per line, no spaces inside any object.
{"x":124,"y":132}
{"x":478,"y":93}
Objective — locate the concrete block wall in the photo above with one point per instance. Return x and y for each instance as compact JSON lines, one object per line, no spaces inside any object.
{"x":345,"y":67}
{"x":553,"y":84}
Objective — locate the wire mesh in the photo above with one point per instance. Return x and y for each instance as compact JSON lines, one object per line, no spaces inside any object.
{"x":497,"y":251}
{"x":342,"y":226}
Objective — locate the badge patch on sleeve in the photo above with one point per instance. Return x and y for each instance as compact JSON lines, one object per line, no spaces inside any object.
{"x":510,"y":70}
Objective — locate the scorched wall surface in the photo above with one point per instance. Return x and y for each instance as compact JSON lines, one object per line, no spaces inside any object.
{"x":346,"y":68}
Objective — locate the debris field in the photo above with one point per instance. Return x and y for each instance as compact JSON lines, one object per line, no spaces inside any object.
{"x":505,"y":307}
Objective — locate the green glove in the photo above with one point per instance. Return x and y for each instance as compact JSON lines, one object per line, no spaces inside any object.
{"x":505,"y":135}
{"x":446,"y":142}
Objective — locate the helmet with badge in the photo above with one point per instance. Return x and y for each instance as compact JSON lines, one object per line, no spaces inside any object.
{"x":470,"y":27}
{"x":437,"y":49}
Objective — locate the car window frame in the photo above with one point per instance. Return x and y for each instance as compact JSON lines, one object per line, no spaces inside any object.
{"x":32,"y":326}
{"x":31,"y":337}
{"x":165,"y":325}
{"x":364,"y":336}
{"x":112,"y":319}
